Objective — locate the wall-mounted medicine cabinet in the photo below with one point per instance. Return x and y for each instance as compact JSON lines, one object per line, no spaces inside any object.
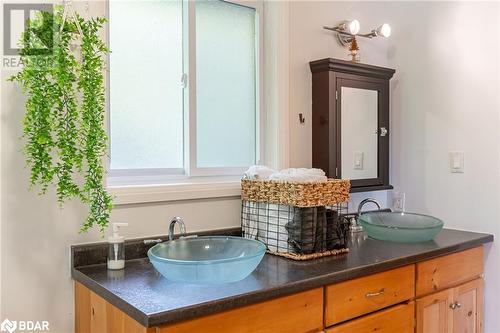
{"x":350,"y":122}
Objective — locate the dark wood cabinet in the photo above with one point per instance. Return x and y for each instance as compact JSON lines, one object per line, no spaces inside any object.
{"x":330,"y":78}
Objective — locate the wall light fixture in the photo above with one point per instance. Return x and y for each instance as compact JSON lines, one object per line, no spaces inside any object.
{"x":347,"y":31}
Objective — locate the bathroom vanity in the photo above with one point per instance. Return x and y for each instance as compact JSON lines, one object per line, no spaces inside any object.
{"x":378,"y":286}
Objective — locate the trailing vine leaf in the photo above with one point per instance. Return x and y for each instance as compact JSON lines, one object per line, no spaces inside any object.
{"x":93,"y":110}
{"x":38,"y":122}
{"x":63,"y":128}
{"x":67,"y":117}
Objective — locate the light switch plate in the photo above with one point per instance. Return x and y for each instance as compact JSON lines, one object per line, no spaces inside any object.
{"x":358,"y":160}
{"x":457,"y":161}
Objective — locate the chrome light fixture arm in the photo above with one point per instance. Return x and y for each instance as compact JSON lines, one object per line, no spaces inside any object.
{"x":346,"y":31}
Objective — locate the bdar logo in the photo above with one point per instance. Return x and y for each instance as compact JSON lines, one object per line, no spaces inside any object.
{"x":23,"y":325}
{"x":8,"y":326}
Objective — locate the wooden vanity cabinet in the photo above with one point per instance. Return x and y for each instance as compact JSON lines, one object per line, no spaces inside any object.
{"x":456,"y":300}
{"x":441,"y":295}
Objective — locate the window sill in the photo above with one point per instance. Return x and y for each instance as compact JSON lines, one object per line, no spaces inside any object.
{"x":187,"y":189}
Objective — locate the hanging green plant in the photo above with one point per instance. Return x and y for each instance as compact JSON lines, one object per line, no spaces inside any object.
{"x":63,"y":128}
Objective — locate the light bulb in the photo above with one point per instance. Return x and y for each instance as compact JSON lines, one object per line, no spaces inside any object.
{"x":353,"y":27}
{"x":384,"y":30}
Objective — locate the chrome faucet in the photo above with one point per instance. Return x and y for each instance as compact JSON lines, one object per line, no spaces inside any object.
{"x":355,"y":226}
{"x":182,"y":227}
{"x":364,"y":202}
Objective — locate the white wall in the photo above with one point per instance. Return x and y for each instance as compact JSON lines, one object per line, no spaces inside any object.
{"x":444,"y":98}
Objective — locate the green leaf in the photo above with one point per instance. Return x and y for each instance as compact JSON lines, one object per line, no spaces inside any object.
{"x":65,"y":137}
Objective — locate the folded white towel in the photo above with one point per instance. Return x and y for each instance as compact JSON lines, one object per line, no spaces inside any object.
{"x":301,"y":175}
{"x":259,"y":172}
{"x":303,"y":171}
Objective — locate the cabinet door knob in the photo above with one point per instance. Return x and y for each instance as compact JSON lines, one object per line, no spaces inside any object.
{"x":383,"y":131}
{"x":455,"y":305}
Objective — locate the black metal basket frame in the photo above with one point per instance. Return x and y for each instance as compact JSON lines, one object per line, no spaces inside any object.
{"x":290,"y":229}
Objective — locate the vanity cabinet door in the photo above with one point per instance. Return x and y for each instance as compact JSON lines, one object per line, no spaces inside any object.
{"x":434,"y":313}
{"x":93,"y":314}
{"x":467,"y":316}
{"x":454,"y":310}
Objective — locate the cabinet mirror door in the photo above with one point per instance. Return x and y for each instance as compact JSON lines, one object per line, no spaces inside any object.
{"x":363,"y":127}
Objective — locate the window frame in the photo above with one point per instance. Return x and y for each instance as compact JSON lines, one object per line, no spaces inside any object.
{"x":191,"y":172}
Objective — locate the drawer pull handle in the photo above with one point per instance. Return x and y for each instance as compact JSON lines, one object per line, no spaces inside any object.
{"x":378,"y":293}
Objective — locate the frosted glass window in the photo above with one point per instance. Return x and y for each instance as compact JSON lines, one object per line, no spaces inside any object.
{"x":146,"y":98}
{"x":225,"y":84}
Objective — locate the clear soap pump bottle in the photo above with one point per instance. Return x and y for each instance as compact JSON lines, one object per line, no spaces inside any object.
{"x":116,"y":248}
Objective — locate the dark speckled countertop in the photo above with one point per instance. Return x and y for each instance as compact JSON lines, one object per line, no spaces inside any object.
{"x":141,"y":292}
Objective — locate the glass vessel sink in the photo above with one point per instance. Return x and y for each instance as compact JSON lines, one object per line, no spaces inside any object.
{"x":400,"y":227}
{"x":208,"y":259}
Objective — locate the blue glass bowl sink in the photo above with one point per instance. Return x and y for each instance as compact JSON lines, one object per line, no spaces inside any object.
{"x":400,"y":227}
{"x":208,"y":259}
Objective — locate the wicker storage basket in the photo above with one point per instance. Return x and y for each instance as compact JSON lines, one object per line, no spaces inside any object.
{"x":331,"y":192}
{"x":300,"y":221}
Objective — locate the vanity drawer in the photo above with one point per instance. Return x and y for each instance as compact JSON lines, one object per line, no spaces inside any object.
{"x":397,"y":319}
{"x":363,"y":295}
{"x":448,"y":271}
{"x":301,"y":312}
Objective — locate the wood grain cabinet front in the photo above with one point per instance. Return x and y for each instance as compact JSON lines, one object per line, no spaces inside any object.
{"x":449,"y":271}
{"x":353,"y":298}
{"x":93,"y":314}
{"x":454,"y":310}
{"x":396,"y":319}
{"x":297,"y":313}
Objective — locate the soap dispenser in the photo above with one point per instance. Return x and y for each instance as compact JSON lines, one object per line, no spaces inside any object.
{"x":116,"y":248}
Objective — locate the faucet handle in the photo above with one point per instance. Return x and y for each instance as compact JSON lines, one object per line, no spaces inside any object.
{"x":152,"y":241}
{"x":189,"y":237}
